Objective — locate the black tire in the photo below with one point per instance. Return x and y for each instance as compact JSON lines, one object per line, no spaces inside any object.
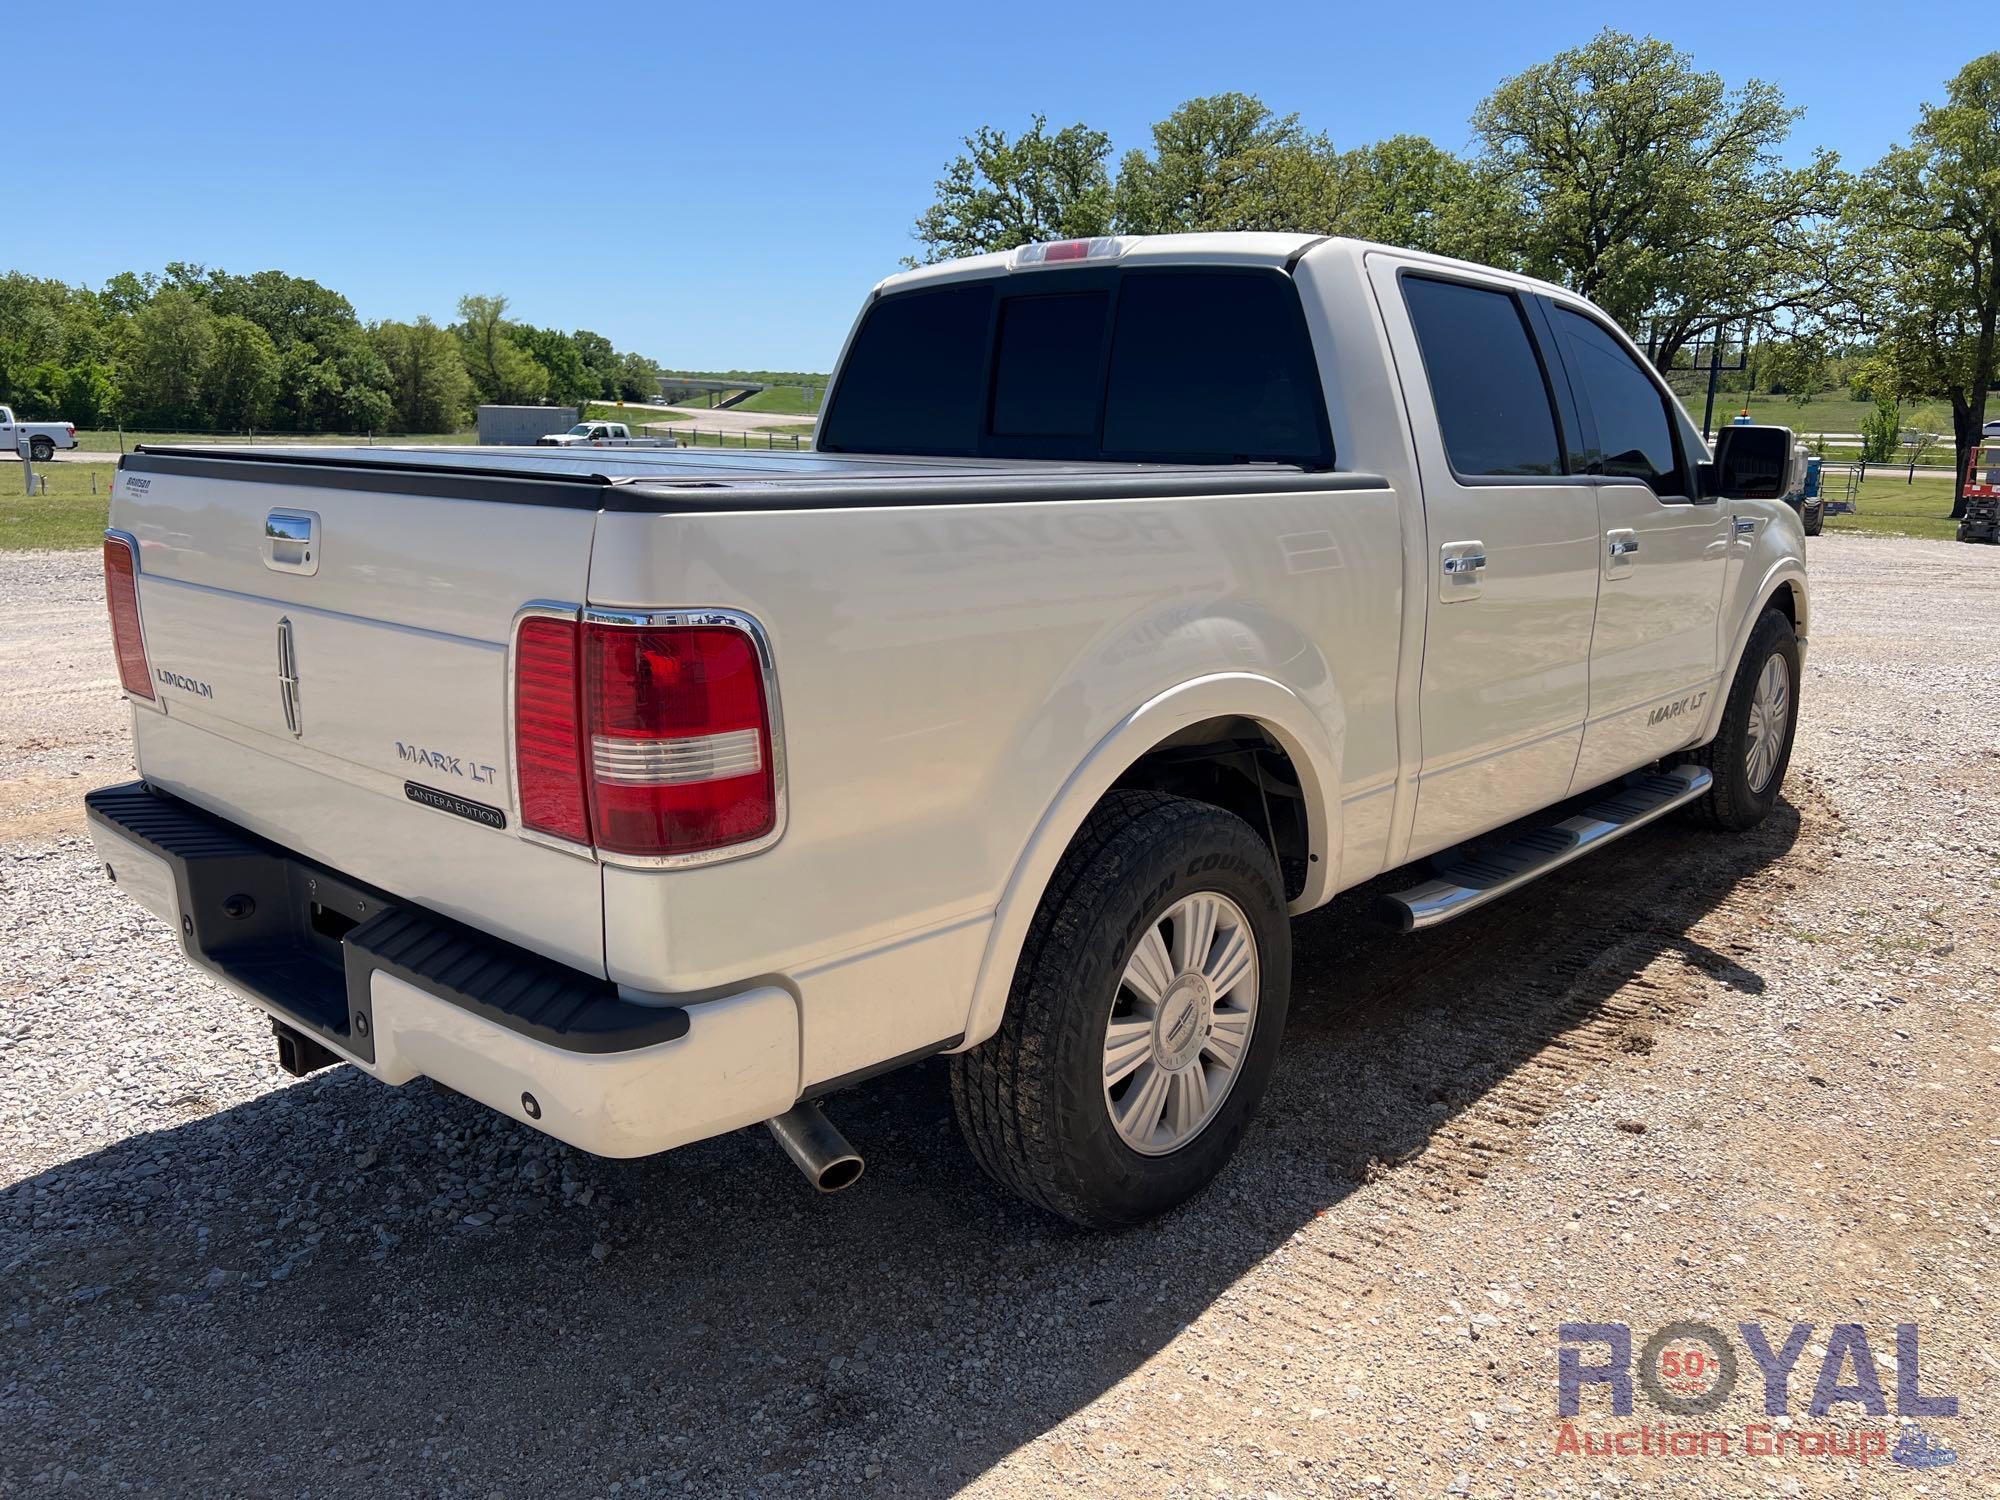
{"x":1814,"y":517}
{"x":41,"y":449}
{"x":1733,"y":802}
{"x":1030,"y":1100}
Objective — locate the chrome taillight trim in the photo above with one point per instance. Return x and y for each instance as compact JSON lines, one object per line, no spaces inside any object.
{"x":760,"y":642}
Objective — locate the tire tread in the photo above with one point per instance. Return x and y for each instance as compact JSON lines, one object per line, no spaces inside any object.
{"x":1000,"y":1089}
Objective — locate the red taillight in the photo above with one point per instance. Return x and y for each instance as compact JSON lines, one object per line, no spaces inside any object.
{"x":548,"y":729}
{"x":121,"y":596}
{"x":680,"y":738}
{"x":644,"y":739}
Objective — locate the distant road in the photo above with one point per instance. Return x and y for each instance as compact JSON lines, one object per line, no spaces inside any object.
{"x":718,"y":420}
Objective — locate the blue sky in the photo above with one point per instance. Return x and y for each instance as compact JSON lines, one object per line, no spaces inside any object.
{"x":720,"y":187}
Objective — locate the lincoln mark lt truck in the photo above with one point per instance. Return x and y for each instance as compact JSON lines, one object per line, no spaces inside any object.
{"x":1138,"y":595}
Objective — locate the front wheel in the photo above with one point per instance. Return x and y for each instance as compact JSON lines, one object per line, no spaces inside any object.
{"x":1751,"y":751}
{"x":41,"y":449}
{"x":1814,"y":517}
{"x":1144,"y":1018}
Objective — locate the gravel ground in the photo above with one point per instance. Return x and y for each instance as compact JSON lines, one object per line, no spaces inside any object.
{"x":1757,"y":1083}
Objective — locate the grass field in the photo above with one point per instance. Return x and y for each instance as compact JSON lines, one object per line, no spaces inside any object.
{"x":783,"y":400}
{"x":1889,"y":507}
{"x":67,"y":516}
{"x":105,"y":440}
{"x":1828,"y":413}
{"x":632,"y":417}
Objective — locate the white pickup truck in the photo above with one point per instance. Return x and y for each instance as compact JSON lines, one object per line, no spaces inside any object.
{"x":600,"y":435}
{"x":1139,"y":594}
{"x":36,"y":440}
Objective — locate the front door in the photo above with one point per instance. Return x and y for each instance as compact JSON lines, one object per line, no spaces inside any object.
{"x":1511,"y":560}
{"x":1663,"y":559}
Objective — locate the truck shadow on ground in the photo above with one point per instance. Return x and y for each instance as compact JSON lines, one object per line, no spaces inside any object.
{"x":338,"y":1284}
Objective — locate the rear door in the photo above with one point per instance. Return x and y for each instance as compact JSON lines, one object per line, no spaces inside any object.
{"x":1663,"y":558}
{"x":330,"y":655}
{"x":1512,"y":556}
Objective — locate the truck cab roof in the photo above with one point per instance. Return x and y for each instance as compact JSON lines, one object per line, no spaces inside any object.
{"x":1224,"y":247}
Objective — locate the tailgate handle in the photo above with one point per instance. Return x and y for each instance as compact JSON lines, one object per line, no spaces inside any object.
{"x":291,"y":541}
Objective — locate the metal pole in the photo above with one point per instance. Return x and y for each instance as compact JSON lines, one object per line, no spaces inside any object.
{"x":1714,"y":379}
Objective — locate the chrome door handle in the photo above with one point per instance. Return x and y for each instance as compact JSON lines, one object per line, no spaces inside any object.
{"x":1624,"y":546}
{"x":1470,"y":562}
{"x":291,"y":541}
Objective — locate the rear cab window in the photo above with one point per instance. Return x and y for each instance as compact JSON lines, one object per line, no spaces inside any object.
{"x":1183,"y":365}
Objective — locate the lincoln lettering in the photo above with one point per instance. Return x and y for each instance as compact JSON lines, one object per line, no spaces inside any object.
{"x":185,"y":684}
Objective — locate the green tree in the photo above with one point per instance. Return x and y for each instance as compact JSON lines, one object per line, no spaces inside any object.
{"x":1000,"y":193}
{"x":240,"y":379}
{"x":501,"y":370}
{"x":291,"y":309}
{"x":165,"y":354}
{"x":1208,"y":169}
{"x":365,"y":404}
{"x":570,"y":381}
{"x":90,"y":394}
{"x":1929,"y":216}
{"x":429,"y":388}
{"x":1404,"y":191}
{"x":600,"y":359}
{"x":1794,"y":367}
{"x":1409,"y":191}
{"x":39,"y":390}
{"x":638,"y":378}
{"x":1657,"y":192}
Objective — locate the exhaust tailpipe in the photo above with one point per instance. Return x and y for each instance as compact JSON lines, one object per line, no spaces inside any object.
{"x":816,"y":1148}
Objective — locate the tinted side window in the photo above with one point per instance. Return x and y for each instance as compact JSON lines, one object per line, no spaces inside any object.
{"x":1633,"y":432}
{"x":1045,"y":373}
{"x":1213,"y":366}
{"x":1486,"y":380}
{"x":880,"y":406}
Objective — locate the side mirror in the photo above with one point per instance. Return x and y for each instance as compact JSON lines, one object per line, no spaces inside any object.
{"x":1751,"y":463}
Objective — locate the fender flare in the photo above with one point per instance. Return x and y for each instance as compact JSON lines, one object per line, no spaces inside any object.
{"x":1275,"y":707}
{"x":1785,"y":570}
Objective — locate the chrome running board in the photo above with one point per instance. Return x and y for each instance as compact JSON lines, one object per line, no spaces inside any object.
{"x":1464,"y":881}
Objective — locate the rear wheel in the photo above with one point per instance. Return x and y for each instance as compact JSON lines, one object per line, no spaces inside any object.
{"x":1144,"y":1019}
{"x":1814,"y":517}
{"x":41,"y":449}
{"x":1750,"y":752}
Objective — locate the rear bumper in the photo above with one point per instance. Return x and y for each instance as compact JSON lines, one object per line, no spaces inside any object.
{"x":401,"y":992}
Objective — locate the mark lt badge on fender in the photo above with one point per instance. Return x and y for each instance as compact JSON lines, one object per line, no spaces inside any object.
{"x":1677,"y":708}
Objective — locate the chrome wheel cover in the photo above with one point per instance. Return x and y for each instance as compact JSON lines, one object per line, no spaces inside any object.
{"x":1770,"y":713}
{"x":1180,"y":1025}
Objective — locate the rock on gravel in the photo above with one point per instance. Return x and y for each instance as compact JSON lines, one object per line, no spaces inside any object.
{"x":217,"y":1280}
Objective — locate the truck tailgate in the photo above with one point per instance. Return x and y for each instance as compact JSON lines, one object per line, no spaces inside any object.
{"x":345,"y":694}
